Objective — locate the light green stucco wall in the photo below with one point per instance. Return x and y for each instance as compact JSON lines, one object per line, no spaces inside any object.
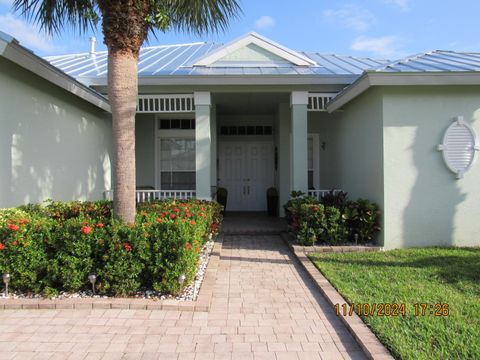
{"x":52,"y":144}
{"x":324,"y":124}
{"x":145,"y":149}
{"x":424,"y":204}
{"x":358,"y":149}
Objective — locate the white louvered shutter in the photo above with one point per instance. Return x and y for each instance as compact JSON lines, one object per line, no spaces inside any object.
{"x":459,"y":147}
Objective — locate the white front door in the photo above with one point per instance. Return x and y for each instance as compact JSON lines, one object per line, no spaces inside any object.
{"x":246,"y":170}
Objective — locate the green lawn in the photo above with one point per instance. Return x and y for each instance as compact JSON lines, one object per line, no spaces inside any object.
{"x":409,"y":276}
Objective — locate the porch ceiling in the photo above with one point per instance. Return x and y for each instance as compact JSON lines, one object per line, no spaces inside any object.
{"x":249,"y":103}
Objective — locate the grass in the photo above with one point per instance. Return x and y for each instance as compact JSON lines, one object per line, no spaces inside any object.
{"x":409,"y":276}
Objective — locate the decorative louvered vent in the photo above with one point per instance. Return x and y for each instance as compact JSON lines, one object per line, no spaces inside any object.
{"x":170,"y":103}
{"x":319,"y":101}
{"x":459,"y":147}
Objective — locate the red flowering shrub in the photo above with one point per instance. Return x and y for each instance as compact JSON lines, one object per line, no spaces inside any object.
{"x":86,"y":230}
{"x":22,"y":251}
{"x":55,"y":246}
{"x":13,"y":227}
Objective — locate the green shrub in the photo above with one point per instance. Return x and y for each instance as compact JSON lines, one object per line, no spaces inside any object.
{"x":336,"y":199}
{"x":61,"y":211}
{"x":314,"y":221}
{"x":362,"y":218}
{"x":121,"y":258}
{"x":53,"y":247}
{"x":72,"y":252}
{"x":23,"y":252}
{"x":292,"y":207}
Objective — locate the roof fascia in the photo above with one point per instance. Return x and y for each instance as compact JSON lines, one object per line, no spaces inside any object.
{"x":369,"y":79}
{"x":266,"y":44}
{"x":29,"y":61}
{"x":238,"y":80}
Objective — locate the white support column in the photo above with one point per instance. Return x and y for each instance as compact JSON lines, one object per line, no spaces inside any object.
{"x":213,"y":151}
{"x":299,"y":126}
{"x":203,"y":143}
{"x":284,"y":163}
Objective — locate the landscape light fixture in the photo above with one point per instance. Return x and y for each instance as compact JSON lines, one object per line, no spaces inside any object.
{"x":6,"y":281}
{"x":181,"y":279}
{"x":92,"y":278}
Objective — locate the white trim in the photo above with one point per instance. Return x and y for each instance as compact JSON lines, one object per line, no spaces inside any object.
{"x":299,"y":98}
{"x":202,"y":98}
{"x":316,"y":159}
{"x":21,"y":56}
{"x":248,"y":80}
{"x":369,"y":79}
{"x":266,"y":44}
{"x":166,"y":134}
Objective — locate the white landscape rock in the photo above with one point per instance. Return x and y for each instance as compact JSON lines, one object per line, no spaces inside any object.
{"x":190,"y":292}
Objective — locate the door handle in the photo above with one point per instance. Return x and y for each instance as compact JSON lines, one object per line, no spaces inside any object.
{"x":244,"y":190}
{"x":248,"y":190}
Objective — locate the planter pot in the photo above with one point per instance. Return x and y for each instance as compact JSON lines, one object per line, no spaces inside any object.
{"x":222,"y":195}
{"x":272,"y":201}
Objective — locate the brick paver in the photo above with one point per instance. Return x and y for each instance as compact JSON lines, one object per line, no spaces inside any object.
{"x":264,"y":306}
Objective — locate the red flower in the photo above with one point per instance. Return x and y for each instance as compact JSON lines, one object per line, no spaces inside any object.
{"x":99,"y":225}
{"x":23,"y":221}
{"x":173,"y":216}
{"x":188,"y":214}
{"x":192,"y":222}
{"x":159,"y":220}
{"x":13,"y":227}
{"x":86,"y":230}
{"x":15,"y":243}
{"x":188,"y":246}
{"x":177,"y":210}
{"x":127,"y":246}
{"x":2,"y":247}
{"x":163,"y":215}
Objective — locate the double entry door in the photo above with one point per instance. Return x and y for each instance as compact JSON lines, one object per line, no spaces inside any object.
{"x":246,"y":170}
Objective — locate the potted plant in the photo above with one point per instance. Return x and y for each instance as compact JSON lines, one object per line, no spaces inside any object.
{"x":222,"y":195}
{"x":272,"y":201}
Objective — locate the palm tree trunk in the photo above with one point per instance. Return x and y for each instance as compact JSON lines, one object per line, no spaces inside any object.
{"x":123,"y":94}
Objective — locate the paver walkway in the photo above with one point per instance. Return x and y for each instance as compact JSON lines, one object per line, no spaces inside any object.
{"x":264,"y":307}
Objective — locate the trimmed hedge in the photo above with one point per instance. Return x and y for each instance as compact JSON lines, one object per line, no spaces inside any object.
{"x":334,"y":220}
{"x":53,"y":247}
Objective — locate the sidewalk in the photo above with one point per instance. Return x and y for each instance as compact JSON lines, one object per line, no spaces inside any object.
{"x":264,"y":306}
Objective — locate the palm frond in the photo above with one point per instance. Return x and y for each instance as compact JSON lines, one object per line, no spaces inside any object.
{"x":54,"y":15}
{"x":200,"y":16}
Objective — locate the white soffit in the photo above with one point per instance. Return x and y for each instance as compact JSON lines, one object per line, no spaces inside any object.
{"x":264,"y":43}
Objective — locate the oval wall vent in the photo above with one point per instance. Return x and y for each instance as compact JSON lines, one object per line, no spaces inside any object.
{"x":459,"y":147}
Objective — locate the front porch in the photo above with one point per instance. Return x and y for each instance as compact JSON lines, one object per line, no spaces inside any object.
{"x":189,"y":145}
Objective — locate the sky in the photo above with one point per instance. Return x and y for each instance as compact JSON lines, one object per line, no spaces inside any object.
{"x":384,"y":29}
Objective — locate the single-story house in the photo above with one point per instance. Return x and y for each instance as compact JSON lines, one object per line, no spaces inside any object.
{"x":250,"y":115}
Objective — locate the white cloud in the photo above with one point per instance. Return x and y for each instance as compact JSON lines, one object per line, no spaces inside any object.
{"x":352,"y":16}
{"x":403,"y":5}
{"x":388,"y":47}
{"x":264,"y":22}
{"x":29,"y":35}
